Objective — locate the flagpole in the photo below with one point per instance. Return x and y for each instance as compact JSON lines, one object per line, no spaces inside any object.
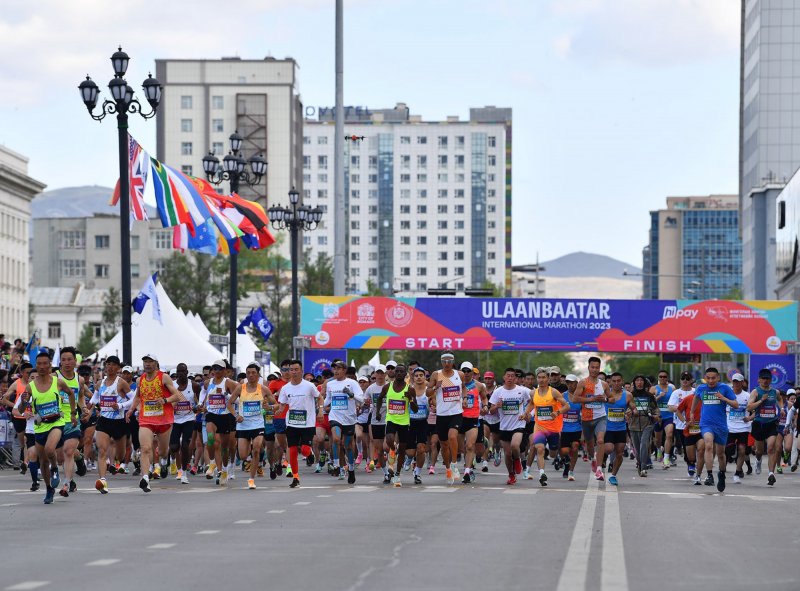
{"x":234,"y":289}
{"x":125,"y":234}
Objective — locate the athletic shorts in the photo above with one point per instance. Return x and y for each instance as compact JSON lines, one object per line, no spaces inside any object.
{"x":220,"y":422}
{"x":761,"y":431}
{"x":494,"y":427}
{"x":432,"y":430}
{"x":115,"y":428}
{"x":720,"y":433}
{"x":570,"y":437}
{"x":400,"y":431}
{"x":30,"y":440}
{"x":691,"y":440}
{"x":377,"y":431}
{"x":445,"y":423}
{"x":269,"y":429}
{"x":70,"y":432}
{"x":181,"y":431}
{"x":662,"y":424}
{"x":231,"y":422}
{"x":363,"y":420}
{"x":92,"y":422}
{"x":418,"y":433}
{"x":507,"y":435}
{"x":41,"y":438}
{"x":345,"y":429}
{"x":591,"y":429}
{"x":468,"y":423}
{"x":323,"y":423}
{"x":269,"y":436}
{"x":19,"y":424}
{"x":280,"y":425}
{"x":783,"y":430}
{"x":615,"y":437}
{"x":297,"y":436}
{"x":529,"y":429}
{"x":549,"y":438}
{"x":156,"y":429}
{"x":249,"y":434}
{"x":738,"y":438}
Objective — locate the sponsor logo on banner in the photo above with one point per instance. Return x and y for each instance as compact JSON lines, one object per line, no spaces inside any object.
{"x":323,"y":338}
{"x":366,"y":314}
{"x":330,"y":311}
{"x":779,"y":373}
{"x":674,"y":312}
{"x":399,"y":315}
{"x":773,"y":343}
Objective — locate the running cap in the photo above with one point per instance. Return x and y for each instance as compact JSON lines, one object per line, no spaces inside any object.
{"x":447,"y":357}
{"x":791,"y":391}
{"x":363,"y":379}
{"x":127,"y":368}
{"x":115,"y":359}
{"x":416,"y":369}
{"x":555,"y":370}
{"x":764,"y":374}
{"x":391,"y":363}
{"x":466,"y":365}
{"x":381,"y":367}
{"x":488,"y":374}
{"x":152,"y":356}
{"x":220,"y":363}
{"x":687,"y":376}
{"x":571,"y":378}
{"x":737,"y":377}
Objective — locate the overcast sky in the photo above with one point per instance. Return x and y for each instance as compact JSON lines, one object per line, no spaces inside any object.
{"x":616,"y":103}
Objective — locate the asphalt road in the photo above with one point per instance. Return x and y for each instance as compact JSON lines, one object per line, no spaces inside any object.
{"x":658,"y":532}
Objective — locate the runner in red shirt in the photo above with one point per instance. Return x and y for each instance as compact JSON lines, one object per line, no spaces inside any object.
{"x":692,"y":440}
{"x":279,"y":421}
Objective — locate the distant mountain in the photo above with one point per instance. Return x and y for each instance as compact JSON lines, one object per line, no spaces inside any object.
{"x":585,"y":264}
{"x":75,"y":202}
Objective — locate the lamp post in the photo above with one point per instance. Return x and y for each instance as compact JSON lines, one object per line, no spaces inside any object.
{"x":233,"y":169}
{"x":296,"y":217}
{"x":122,"y":103}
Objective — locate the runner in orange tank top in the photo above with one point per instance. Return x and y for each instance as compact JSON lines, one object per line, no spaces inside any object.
{"x":155,"y":393}
{"x":548,"y":404}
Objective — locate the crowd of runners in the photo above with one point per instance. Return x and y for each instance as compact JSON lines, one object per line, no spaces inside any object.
{"x":399,"y":418}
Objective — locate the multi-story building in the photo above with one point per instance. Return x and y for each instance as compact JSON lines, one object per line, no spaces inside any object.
{"x":527,"y":281}
{"x":769,"y":134}
{"x":694,"y":251}
{"x":428,"y":203}
{"x":61,"y":313}
{"x":787,"y":271}
{"x":205,"y":101}
{"x":17,"y":190}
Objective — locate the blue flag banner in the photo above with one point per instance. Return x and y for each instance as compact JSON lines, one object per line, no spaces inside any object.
{"x":262,"y":323}
{"x":205,"y":239}
{"x":32,"y":348}
{"x":148,"y":293}
{"x":781,"y":367}
{"x":317,"y":360}
{"x":246,"y":321}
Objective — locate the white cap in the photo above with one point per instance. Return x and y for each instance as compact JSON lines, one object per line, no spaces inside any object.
{"x":791,"y":391}
{"x":571,"y":378}
{"x":737,"y":377}
{"x":219,"y":363}
{"x":391,"y":363}
{"x":129,"y":369}
{"x":363,"y":379}
{"x":150,"y":356}
{"x":381,"y":367}
{"x":466,"y":365}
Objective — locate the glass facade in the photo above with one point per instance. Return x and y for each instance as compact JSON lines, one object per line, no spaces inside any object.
{"x":478,"y":229}
{"x":650,"y":262}
{"x":385,"y":212}
{"x":788,"y":232}
{"x":712,"y":254}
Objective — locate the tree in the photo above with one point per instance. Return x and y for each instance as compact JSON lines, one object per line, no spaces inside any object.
{"x":373,"y":289}
{"x":632,"y":365}
{"x":112,"y":312}
{"x":87,"y":343}
{"x":317,"y":274}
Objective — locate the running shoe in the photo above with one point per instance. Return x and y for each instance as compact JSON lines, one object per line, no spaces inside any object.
{"x":496,"y":461}
{"x":690,"y":470}
{"x":101,"y":485}
{"x":612,"y":480}
{"x":184,"y":478}
{"x":599,"y":475}
{"x":179,"y":475}
{"x":709,"y":481}
{"x":72,"y":486}
{"x":317,"y":470}
{"x":749,"y":468}
{"x":526,"y":475}
{"x":48,"y":498}
{"x":736,"y":479}
{"x":696,"y":481}
{"x":173,"y":469}
{"x":210,"y":472}
{"x":794,"y":467}
{"x":260,"y":471}
{"x":272,"y":473}
{"x":472,"y":475}
{"x":351,"y":477}
{"x":594,"y":465}
{"x":144,"y":485}
{"x":449,"y":476}
{"x":359,"y":459}
{"x":216,"y":478}
{"x":193,"y":470}
{"x":111,"y":469}
{"x":720,"y":481}
{"x":407,"y":464}
{"x":289,"y":473}
{"x":80,"y":466}
{"x":431,"y":470}
{"x":417,"y":479}
{"x":643,"y":473}
{"x":666,"y":463}
{"x":659,"y":455}
{"x":673,"y":461}
{"x":566,"y":471}
{"x":55,"y":480}
{"x":771,"y":480}
{"x":396,"y":482}
{"x":64,"y":492}
{"x":295,"y":483}
{"x":35,"y":486}
{"x":371,"y":466}
{"x":456,"y":474}
{"x":251,"y":484}
{"x":758,"y":466}
{"x":779,"y":469}
{"x":232,"y":473}
{"x":310,"y":460}
{"x":543,"y":479}
{"x":23,"y":467}
{"x":336,"y":471}
{"x":571,"y":477}
{"x":466,"y":479}
{"x":387,"y":479}
{"x":223,"y":477}
{"x":484,"y":466}
{"x":341,"y":474}
{"x":517,"y":466}
{"x":512,"y":479}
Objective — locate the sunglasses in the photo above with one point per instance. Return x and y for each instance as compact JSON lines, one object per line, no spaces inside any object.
{"x":284,"y":369}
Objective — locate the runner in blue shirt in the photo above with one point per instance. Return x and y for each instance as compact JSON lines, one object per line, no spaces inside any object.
{"x":765,"y":403}
{"x":714,"y":422}
{"x":665,"y":427}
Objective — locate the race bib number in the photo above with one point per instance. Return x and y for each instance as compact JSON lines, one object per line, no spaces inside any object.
{"x":296,"y":418}
{"x":183,"y":407}
{"x":594,"y":405}
{"x":711,"y":398}
{"x":510,"y":407}
{"x":153,"y":408}
{"x":615,"y":415}
{"x":736,"y":414}
{"x":216,"y":401}
{"x":339,"y":401}
{"x":767,"y":412}
{"x":694,"y":429}
{"x":269,"y":415}
{"x":422,"y":412}
{"x":397,"y":407}
{"x":451,"y":393}
{"x":48,"y":410}
{"x":641,"y":404}
{"x":544,"y":413}
{"x":251,"y":408}
{"x":470,"y":400}
{"x":571,"y":417}
{"x":107,"y":402}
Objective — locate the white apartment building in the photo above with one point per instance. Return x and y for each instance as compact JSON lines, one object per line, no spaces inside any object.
{"x":17,"y":190}
{"x":428,"y":202}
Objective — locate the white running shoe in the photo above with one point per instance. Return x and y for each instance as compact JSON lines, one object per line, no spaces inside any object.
{"x":185,"y":477}
{"x":758,"y":466}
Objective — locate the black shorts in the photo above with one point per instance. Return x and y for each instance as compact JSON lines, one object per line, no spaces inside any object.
{"x":181,"y":431}
{"x":494,"y":427}
{"x":761,"y":431}
{"x":432,"y":430}
{"x":115,"y":428}
{"x":19,"y":425}
{"x":249,"y":434}
{"x":615,"y":437}
{"x":222,"y":424}
{"x":469,"y":423}
{"x":297,"y":436}
{"x":270,"y":436}
{"x":231,"y":422}
{"x":418,"y":433}
{"x":737,"y":438}
{"x":507,"y":435}
{"x":570,"y":437}
{"x":92,"y":422}
{"x":30,"y":440}
{"x":447,"y":422}
{"x":691,"y":440}
{"x":346,"y":429}
{"x":377,"y":431}
{"x":41,"y":438}
{"x":400,"y":432}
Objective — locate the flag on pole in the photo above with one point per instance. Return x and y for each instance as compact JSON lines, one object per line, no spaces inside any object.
{"x":264,"y":326}
{"x":246,"y":321}
{"x":32,"y":348}
{"x":204,"y":239}
{"x":148,"y":292}
{"x":57,"y":355}
{"x":138,"y":171}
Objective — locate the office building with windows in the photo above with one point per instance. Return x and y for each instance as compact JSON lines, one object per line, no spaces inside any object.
{"x":694,"y":250}
{"x":787,"y":272}
{"x":769,"y":144}
{"x":428,"y":202}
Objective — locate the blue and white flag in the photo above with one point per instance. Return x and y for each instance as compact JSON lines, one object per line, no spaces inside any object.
{"x":262,"y":323}
{"x":32,"y":348}
{"x":246,"y":321}
{"x":204,"y":239}
{"x":148,"y":292}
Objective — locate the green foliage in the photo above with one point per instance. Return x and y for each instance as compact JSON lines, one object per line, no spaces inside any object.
{"x":373,"y":289}
{"x":317,"y":274}
{"x":631,"y":365}
{"x":87,"y":344}
{"x":112,"y":312}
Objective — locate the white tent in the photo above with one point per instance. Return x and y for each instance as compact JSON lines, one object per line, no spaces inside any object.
{"x":175,"y":341}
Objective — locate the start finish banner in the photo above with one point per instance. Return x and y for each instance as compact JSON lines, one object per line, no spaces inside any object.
{"x":636,"y":326}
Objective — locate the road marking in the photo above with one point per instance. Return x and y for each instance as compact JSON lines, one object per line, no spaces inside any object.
{"x":438,"y":489}
{"x":521,"y":491}
{"x":103,"y":562}
{"x":361,"y":579}
{"x":162,"y":546}
{"x":303,"y":503}
{"x":27,"y":585}
{"x":323,"y":496}
{"x":244,"y":522}
{"x":9,"y":504}
{"x":686,"y":495}
{"x":206,"y":532}
{"x":358,"y":489}
{"x":613,"y":574}
{"x":277,"y":511}
{"x":576,"y":564}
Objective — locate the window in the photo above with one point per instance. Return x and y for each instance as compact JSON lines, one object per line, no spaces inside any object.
{"x":458,"y":224}
{"x":405,"y":193}
{"x":490,"y":178}
{"x":101,"y":271}
{"x":373,"y":163}
{"x":217,"y":102}
{"x":355,"y":225}
{"x":441,"y":256}
{"x":458,"y":240}
{"x":441,"y":225}
{"x":161,"y":239}
{"x":217,"y":148}
{"x":186,"y":148}
{"x":355,"y":178}
{"x":356,"y":209}
{"x":492,"y":141}
{"x":355,"y":194}
{"x":158,"y":265}
{"x":422,"y":271}
{"x":306,"y":178}
{"x":405,"y":178}
{"x":372,"y":209}
{"x":355,"y":161}
{"x":422,"y":287}
{"x":422,"y":161}
{"x":96,"y":329}
{"x":422,"y":224}
{"x":458,"y":209}
{"x":441,"y":240}
{"x":441,"y":209}
{"x":422,"y":209}
{"x":322,"y":177}
{"x":134,"y":270}
{"x":306,"y":240}
{"x":405,"y":240}
{"x":422,"y":178}
{"x":217,"y":126}
{"x":373,"y":271}
{"x":72,"y":268}
{"x":134,"y":242}
{"x":422,"y":255}
{"x":442,"y":194}
{"x":491,"y":208}
{"x":355,"y":256}
{"x":459,"y":177}
{"x":443,"y":144}
{"x":372,"y":178}
{"x":492,"y":160}
{"x":322,"y":240}
{"x":442,"y":271}
{"x":460,"y":142}
{"x":491,"y":225}
{"x":306,"y":162}
{"x":355,"y":240}
{"x":422,"y":240}
{"x":372,"y":193}
{"x":442,"y":177}
{"x":72,"y":239}
{"x":405,"y":271}
{"x":306,"y":140}
{"x":459,"y":161}
{"x":322,"y":162}
{"x":458,"y":256}
{"x":53,"y":330}
{"x":322,"y":140}
{"x":322,"y":193}
{"x":405,"y":209}
{"x":459,"y":271}
{"x":405,"y":225}
{"x":491,"y":193}
{"x":491,"y":256}
{"x":404,"y":139}
{"x":405,"y":256}
{"x":405,"y":161}
{"x":490,"y":240}
{"x":187,"y":169}
{"x":422,"y":139}
{"x":443,"y":161}
{"x":103,"y":241}
{"x":186,"y":101}
{"x":186,"y":125}
{"x":373,"y":241}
